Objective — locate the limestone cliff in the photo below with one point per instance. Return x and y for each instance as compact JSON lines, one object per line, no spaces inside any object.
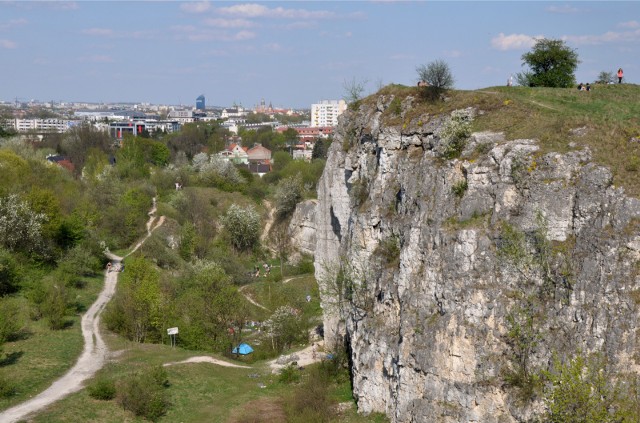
{"x":425,"y":263}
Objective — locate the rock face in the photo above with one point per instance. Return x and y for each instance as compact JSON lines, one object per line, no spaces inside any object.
{"x":302,"y":228}
{"x":426,"y":263}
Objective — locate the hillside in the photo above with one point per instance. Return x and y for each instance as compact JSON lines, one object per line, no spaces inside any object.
{"x":479,"y":258}
{"x":606,"y":119}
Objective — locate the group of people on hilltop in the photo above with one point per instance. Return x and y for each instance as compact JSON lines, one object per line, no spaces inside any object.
{"x":583,"y":87}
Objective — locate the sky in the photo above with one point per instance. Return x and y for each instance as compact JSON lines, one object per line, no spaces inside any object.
{"x":291,"y":54}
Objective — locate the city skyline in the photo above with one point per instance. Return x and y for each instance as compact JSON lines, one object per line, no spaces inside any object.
{"x":292,"y":54}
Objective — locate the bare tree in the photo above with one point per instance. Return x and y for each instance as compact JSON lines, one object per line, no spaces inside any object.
{"x":353,"y":90}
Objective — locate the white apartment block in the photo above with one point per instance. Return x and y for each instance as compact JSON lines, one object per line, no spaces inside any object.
{"x":43,"y":125}
{"x":326,"y":112}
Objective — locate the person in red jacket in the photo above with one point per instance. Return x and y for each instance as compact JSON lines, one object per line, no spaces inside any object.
{"x":620,"y":75}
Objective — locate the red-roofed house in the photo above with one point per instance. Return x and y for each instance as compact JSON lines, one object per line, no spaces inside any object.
{"x":235,"y":153}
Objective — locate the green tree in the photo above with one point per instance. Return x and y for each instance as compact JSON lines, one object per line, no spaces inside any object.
{"x":135,"y":311}
{"x":211,"y":304}
{"x":319,"y":149}
{"x":8,"y":273}
{"x":437,"y":75}
{"x":605,"y":77}
{"x":280,"y":160}
{"x":552,"y":64}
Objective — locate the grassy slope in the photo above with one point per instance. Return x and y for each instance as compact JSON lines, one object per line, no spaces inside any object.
{"x":611,"y":114}
{"x":41,"y":355}
{"x":204,"y":392}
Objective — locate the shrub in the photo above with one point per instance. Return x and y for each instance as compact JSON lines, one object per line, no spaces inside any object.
{"x":455,"y":131}
{"x":460,"y":188}
{"x":102,"y":389}
{"x":288,"y":195}
{"x":7,"y":388}
{"x":289,"y":374}
{"x":8,"y":273}
{"x":144,"y":394}
{"x":389,"y":251}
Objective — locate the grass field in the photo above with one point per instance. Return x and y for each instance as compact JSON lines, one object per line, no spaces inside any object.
{"x":205,"y":392}
{"x":609,"y":114}
{"x":40,"y":355}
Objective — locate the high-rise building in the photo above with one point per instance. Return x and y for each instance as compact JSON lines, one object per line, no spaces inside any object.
{"x":326,"y":112}
{"x":200,"y":105}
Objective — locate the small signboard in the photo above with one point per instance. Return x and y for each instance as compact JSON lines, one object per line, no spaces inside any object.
{"x":172,"y":331}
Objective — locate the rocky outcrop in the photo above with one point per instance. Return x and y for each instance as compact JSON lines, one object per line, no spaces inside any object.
{"x":302,"y":228}
{"x":426,"y":263}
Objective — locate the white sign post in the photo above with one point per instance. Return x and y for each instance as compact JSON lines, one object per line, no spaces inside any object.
{"x":172,"y":332}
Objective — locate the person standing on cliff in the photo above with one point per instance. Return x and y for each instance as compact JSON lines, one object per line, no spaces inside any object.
{"x":620,"y":75}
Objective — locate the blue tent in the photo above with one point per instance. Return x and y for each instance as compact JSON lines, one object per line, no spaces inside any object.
{"x":243,"y":349}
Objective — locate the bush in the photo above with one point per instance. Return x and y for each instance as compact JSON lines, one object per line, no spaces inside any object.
{"x":289,"y":374}
{"x":437,"y":76}
{"x":455,"y":132}
{"x":7,"y":388}
{"x":8,"y":273}
{"x":288,"y":195}
{"x":460,"y":188}
{"x":102,"y":389}
{"x":144,"y":394}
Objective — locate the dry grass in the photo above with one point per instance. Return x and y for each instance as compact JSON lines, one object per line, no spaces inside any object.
{"x":609,"y":114}
{"x":263,"y":410}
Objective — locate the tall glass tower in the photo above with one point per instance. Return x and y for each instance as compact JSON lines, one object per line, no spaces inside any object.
{"x":200,"y":103}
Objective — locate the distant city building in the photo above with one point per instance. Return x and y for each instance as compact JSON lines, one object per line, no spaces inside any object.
{"x":200,"y":103}
{"x":259,"y":154}
{"x":309,"y":133}
{"x":182,"y":116}
{"x":233,"y":112}
{"x":43,"y":125}
{"x":326,"y":112}
{"x":118,"y":130}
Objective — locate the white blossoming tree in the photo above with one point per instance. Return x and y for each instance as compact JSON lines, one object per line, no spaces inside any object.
{"x":242,"y":224}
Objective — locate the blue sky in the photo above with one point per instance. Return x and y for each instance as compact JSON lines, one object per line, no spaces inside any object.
{"x":289,"y":53}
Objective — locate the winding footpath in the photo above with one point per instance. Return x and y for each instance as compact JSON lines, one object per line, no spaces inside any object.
{"x":95,"y":350}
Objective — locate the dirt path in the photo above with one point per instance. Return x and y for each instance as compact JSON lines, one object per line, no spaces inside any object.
{"x":207,"y":359}
{"x":95,"y":350}
{"x":251,"y":300}
{"x":305,"y":357}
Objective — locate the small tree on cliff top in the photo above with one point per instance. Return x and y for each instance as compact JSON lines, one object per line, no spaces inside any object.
{"x":552,"y":64}
{"x":437,"y":78}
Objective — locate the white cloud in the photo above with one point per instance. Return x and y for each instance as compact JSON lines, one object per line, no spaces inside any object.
{"x":229,"y":23}
{"x":253,"y":10}
{"x":562,"y":9}
{"x":7,"y":44}
{"x":513,"y":41}
{"x":192,"y":33}
{"x":273,"y":47}
{"x":195,"y":7}
{"x":99,"y":32}
{"x":630,"y":24}
{"x":607,"y":37}
{"x":13,"y":23}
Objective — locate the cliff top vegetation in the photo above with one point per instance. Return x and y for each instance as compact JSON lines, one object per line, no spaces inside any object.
{"x":606,"y":119}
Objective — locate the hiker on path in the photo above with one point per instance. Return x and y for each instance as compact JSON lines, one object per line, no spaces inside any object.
{"x":620,"y":75}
